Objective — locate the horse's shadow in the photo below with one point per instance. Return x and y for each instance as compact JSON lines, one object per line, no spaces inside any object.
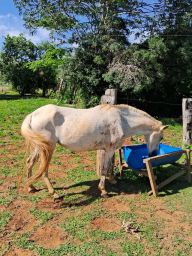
{"x":92,"y":193}
{"x":130,"y":183}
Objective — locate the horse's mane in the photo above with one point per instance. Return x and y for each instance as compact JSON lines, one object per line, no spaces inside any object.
{"x":129,"y":108}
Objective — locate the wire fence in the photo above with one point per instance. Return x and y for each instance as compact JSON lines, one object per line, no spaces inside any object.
{"x":155,"y":108}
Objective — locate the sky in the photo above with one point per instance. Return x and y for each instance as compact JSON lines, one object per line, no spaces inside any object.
{"x":11,"y":23}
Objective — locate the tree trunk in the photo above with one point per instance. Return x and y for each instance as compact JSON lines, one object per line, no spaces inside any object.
{"x":44,"y":90}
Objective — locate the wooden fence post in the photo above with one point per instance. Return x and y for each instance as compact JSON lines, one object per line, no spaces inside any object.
{"x":110,"y":97}
{"x":187,"y":121}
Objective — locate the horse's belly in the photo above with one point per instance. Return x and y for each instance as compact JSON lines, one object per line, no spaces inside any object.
{"x":82,"y":141}
{"x":80,"y":147}
{"x":85,"y":134}
{"x":83,"y":144}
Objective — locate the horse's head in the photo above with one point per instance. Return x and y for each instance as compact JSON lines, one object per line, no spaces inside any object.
{"x":153,"y":139}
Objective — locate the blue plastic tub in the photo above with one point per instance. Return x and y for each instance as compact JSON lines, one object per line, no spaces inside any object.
{"x":135,"y":154}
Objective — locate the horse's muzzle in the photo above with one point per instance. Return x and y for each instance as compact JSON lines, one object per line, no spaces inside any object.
{"x":153,"y":153}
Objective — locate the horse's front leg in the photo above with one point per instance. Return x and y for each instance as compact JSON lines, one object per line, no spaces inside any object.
{"x":104,"y":169}
{"x":111,"y":177}
{"x":102,"y":186}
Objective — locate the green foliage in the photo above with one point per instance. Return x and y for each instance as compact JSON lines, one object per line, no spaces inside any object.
{"x":158,"y":68}
{"x":133,"y":249}
{"x":173,"y":17}
{"x":4,"y":218}
{"x":138,"y":66}
{"x":17,"y":51}
{"x":29,"y":67}
{"x":99,"y":29}
{"x":41,"y":215}
{"x":172,"y":23}
{"x":81,"y":73}
{"x":45,"y":68}
{"x":82,"y":17}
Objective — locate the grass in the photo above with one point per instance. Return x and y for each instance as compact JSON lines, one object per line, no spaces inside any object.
{"x":43,"y":216}
{"x":5,"y":200}
{"x":4,"y":219}
{"x":133,"y":249}
{"x":164,"y":222}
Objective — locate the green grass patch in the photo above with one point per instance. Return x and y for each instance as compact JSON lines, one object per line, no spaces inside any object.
{"x":98,"y":235}
{"x":76,"y":226}
{"x":43,"y":216}
{"x":133,"y":249}
{"x":5,"y":200}
{"x":4,"y":219}
{"x":79,"y":174}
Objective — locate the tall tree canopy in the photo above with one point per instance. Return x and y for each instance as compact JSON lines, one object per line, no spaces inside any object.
{"x":173,"y":16}
{"x":79,"y":17}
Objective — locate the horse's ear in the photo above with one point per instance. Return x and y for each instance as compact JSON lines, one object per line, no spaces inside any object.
{"x":163,"y":127}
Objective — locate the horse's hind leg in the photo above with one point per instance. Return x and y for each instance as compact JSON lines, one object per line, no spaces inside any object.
{"x":47,"y":180}
{"x":49,"y":185}
{"x":44,"y":155}
{"x":30,"y":163}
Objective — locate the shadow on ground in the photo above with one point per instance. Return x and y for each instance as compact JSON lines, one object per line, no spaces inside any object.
{"x":130,"y":183}
{"x":16,"y":96}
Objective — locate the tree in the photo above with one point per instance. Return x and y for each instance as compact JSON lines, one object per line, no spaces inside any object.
{"x":29,"y":67}
{"x":164,"y":58}
{"x":173,"y":23}
{"x":17,"y":51}
{"x":100,"y":28}
{"x":172,"y":17}
{"x":46,"y":66}
{"x":138,"y":66}
{"x":80,"y":17}
{"x":83,"y":69}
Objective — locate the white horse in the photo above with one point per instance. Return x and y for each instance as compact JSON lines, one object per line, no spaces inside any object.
{"x":103,"y":127}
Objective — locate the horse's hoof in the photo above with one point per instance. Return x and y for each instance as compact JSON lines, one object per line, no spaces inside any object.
{"x":32,"y":189}
{"x":105,"y":195}
{"x":57,"y":198}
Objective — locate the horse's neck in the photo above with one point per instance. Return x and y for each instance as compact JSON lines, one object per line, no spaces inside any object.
{"x":138,"y":123}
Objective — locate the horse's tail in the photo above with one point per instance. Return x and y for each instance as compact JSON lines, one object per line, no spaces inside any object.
{"x":36,"y":141}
